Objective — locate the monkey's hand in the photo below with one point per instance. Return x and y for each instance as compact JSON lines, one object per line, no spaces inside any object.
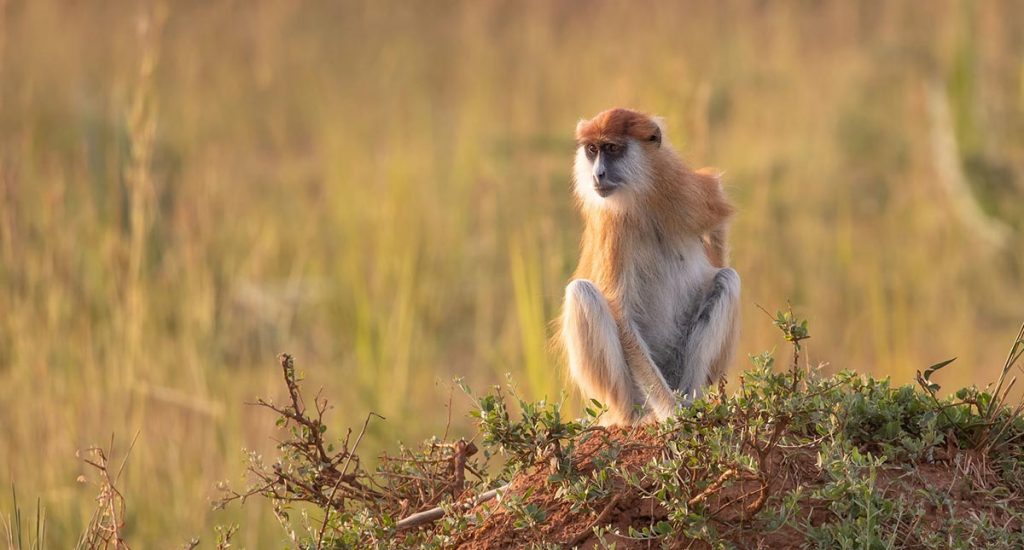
{"x":660,"y":401}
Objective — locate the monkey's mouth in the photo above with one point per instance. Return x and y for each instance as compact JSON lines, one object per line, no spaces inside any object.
{"x":604,"y":189}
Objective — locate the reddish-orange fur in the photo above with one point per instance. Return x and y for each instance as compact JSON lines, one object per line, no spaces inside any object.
{"x":615,"y":125}
{"x":682,"y":202}
{"x":672,"y":204}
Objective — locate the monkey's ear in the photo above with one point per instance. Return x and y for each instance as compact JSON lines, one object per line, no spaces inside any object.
{"x":655,"y":136}
{"x":659,"y":130}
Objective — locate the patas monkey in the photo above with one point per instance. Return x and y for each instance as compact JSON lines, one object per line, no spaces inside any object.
{"x":652,"y":313}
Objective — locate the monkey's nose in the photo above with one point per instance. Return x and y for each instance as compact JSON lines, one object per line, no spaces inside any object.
{"x":602,"y":185}
{"x":599,"y":176}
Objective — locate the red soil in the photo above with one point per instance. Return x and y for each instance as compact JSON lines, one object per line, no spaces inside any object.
{"x":731,"y":505}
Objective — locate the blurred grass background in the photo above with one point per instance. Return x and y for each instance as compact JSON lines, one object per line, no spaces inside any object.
{"x":382,"y":189}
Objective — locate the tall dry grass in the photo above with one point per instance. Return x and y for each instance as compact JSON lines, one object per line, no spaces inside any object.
{"x":381,"y":189}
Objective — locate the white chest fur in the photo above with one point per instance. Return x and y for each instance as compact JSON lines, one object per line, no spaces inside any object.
{"x":662,"y":286}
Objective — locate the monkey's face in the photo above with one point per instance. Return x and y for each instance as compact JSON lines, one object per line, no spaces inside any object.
{"x":611,"y":172}
{"x":613,"y":157}
{"x":605,"y":161}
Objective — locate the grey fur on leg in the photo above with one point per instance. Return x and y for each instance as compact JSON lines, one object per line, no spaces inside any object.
{"x":710,"y":335}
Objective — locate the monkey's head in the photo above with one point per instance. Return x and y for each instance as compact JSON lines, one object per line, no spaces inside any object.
{"x":614,"y":154}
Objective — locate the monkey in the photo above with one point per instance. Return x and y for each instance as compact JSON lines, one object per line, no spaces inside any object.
{"x":651,"y":315}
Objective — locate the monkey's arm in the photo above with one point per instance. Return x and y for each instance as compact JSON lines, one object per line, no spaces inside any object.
{"x":712,"y":211}
{"x":716,"y":245}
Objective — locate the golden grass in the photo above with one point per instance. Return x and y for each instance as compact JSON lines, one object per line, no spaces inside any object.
{"x":381,"y":189}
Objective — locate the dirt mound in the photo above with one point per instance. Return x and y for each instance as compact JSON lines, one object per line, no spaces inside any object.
{"x":789,"y":459}
{"x":731,"y":501}
{"x":562,"y":524}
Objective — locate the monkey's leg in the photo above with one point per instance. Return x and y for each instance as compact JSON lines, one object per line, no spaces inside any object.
{"x":598,"y":361}
{"x":712,"y":333}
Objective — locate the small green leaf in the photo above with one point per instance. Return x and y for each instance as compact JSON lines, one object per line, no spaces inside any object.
{"x":928,"y":372}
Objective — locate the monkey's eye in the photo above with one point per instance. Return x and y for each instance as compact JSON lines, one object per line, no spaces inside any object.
{"x":612,"y":148}
{"x":591,"y":149}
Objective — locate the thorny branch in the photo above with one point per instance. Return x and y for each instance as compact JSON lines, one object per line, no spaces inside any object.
{"x":331,"y":476}
{"x":107,"y":522}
